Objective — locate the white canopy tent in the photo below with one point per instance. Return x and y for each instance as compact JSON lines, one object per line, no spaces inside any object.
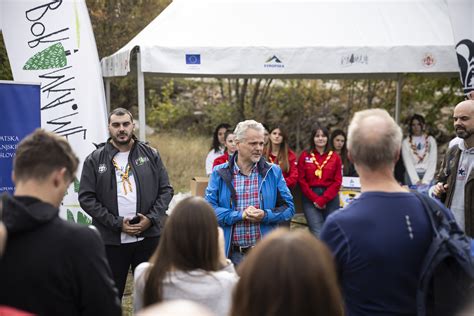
{"x":291,"y":39}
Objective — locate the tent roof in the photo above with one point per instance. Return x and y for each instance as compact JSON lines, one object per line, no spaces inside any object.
{"x":293,"y":38}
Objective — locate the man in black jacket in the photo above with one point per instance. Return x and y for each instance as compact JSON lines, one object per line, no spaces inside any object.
{"x":125,"y":189}
{"x":51,"y":266}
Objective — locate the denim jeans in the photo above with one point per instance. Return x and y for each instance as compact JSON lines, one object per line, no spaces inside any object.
{"x":236,"y":257}
{"x":316,"y":217}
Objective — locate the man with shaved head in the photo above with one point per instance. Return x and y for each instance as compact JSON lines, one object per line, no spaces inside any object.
{"x":379,"y":241}
{"x":455,"y":185}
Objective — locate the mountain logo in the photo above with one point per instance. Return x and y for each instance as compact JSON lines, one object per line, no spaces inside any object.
{"x":273,"y":62}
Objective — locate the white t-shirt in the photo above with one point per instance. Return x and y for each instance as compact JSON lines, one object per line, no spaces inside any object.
{"x":126,"y":194}
{"x":412,"y":162}
{"x":211,"y":156}
{"x":466,"y":161}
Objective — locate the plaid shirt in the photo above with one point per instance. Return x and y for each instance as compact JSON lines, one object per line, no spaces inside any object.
{"x":246,"y":233}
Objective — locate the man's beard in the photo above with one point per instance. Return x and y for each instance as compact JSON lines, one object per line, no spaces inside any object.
{"x":463,"y":133}
{"x":122,"y":142}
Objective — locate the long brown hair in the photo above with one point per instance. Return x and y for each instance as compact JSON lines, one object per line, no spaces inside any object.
{"x":189,"y":242}
{"x":344,"y":158}
{"x":283,"y":153}
{"x":300,"y":278}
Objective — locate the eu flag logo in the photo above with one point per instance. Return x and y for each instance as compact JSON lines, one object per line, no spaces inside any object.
{"x":193,"y":59}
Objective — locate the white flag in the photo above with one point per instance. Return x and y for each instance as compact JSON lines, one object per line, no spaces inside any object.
{"x":462,"y":20}
{"x":51,"y":42}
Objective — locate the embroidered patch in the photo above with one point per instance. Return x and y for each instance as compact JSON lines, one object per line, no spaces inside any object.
{"x":102,"y":168}
{"x":461,"y":174}
{"x":141,"y":160}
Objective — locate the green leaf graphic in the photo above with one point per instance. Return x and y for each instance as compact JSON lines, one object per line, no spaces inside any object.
{"x":70,"y":216}
{"x":52,"y":57}
{"x":76,"y":185}
{"x":83,"y":219}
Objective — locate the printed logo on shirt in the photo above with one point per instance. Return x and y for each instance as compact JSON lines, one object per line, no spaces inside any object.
{"x":462,"y":174}
{"x":141,"y":160}
{"x":102,"y":168}
{"x":308,"y":160}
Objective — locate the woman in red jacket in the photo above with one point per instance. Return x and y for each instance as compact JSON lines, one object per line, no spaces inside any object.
{"x":319,"y":176}
{"x":230,"y":148}
{"x":278,"y":152}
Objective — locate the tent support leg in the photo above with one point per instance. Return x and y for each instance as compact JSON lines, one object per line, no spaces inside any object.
{"x":107,"y":93}
{"x":141,"y":99}
{"x":398,"y":98}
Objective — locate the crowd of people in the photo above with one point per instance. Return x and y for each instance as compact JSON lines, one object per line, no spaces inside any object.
{"x":225,"y":254}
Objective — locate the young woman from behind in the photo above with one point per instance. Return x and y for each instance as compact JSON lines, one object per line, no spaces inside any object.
{"x":189,"y":263}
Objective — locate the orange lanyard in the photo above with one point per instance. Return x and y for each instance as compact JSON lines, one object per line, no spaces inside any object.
{"x":124,"y":176}
{"x":319,"y":168}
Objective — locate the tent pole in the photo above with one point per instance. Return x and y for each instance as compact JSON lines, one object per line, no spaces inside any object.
{"x":398,"y":98}
{"x":107,"y":93}
{"x":141,"y":99}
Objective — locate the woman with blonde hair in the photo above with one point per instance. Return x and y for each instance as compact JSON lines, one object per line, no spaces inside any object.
{"x":288,"y":273}
{"x":189,"y":263}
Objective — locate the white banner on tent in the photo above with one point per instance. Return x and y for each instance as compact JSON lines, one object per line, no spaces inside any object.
{"x":283,"y":38}
{"x":462,"y":19}
{"x":52,"y":42}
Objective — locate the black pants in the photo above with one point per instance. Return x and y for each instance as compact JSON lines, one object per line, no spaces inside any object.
{"x":126,"y":255}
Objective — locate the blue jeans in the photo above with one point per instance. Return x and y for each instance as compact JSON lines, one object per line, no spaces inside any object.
{"x":236,"y":257}
{"x":316,"y":217}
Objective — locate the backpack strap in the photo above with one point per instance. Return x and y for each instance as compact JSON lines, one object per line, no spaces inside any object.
{"x":434,"y":212}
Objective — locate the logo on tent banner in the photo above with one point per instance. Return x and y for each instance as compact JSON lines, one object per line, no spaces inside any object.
{"x":193,"y":59}
{"x":428,"y":60}
{"x":352,"y":59}
{"x":274,"y":62}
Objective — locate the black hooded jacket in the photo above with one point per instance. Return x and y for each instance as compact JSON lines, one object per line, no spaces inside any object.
{"x":51,"y":266}
{"x":98,"y":189}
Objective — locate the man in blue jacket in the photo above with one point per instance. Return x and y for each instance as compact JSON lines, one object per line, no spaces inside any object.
{"x":248,"y":194}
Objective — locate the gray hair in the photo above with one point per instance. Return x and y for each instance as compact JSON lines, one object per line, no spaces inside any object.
{"x":243,"y":126}
{"x":374,"y":139}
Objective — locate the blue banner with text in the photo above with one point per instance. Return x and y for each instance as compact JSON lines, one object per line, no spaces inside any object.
{"x":20,"y":113}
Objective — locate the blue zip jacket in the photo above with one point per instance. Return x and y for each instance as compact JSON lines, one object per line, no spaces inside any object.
{"x":275,"y":197}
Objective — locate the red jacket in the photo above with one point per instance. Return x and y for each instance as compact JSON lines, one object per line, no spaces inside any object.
{"x":331,"y":176}
{"x":291,"y":177}
{"x":221,"y":159}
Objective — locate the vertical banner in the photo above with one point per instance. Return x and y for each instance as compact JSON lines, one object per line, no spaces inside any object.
{"x":51,"y":42}
{"x":462,"y":20}
{"x":20,"y":112}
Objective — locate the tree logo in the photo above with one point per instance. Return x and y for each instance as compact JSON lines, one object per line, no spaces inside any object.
{"x":51,"y":57}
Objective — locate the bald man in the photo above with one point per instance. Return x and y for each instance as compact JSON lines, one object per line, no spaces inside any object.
{"x":455,"y":185}
{"x":379,"y":241}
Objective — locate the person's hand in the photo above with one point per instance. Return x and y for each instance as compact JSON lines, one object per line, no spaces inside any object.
{"x":254,"y":214}
{"x":439,"y":189}
{"x":316,"y":205}
{"x":3,"y":238}
{"x":138,"y":228}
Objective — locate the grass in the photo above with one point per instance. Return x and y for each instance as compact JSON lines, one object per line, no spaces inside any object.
{"x":184,"y":156}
